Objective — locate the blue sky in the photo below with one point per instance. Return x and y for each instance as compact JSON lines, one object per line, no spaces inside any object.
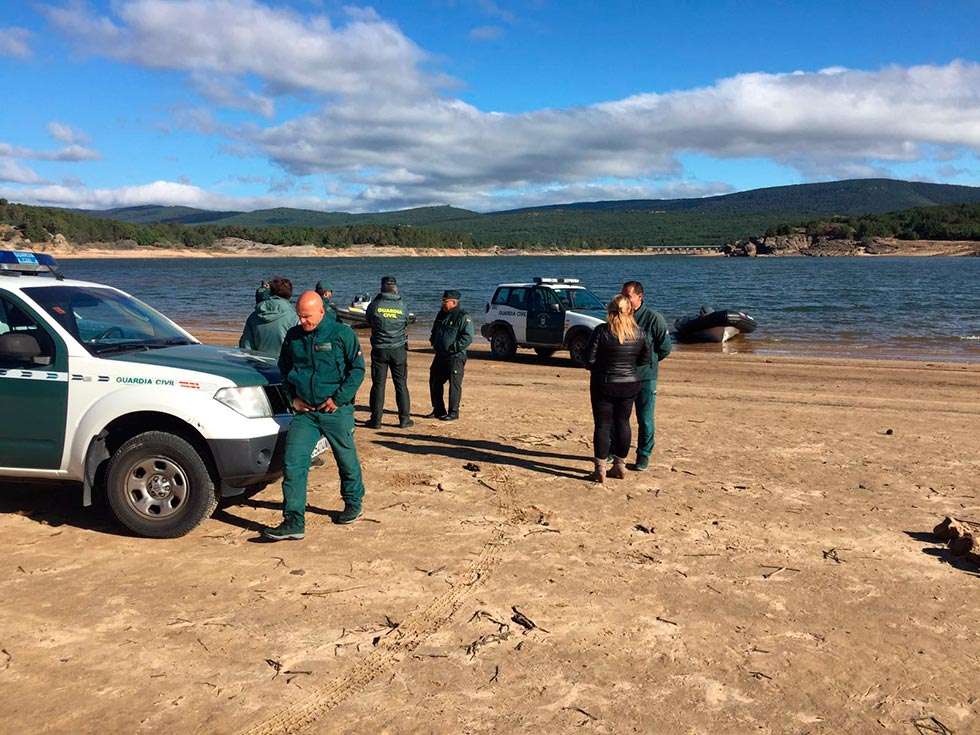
{"x":484,"y":104}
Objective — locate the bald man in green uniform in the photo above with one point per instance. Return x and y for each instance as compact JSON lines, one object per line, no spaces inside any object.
{"x":322,"y":367}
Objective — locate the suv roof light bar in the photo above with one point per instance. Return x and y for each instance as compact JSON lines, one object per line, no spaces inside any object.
{"x":20,"y":262}
{"x":540,"y":279}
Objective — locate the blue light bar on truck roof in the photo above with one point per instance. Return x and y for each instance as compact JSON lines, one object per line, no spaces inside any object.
{"x":15,"y":262}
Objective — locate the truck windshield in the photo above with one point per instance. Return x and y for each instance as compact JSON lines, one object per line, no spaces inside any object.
{"x":106,"y":321}
{"x":579,"y":298}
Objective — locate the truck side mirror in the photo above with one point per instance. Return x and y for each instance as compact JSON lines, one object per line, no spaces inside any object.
{"x":555,"y":307}
{"x":19,"y":347}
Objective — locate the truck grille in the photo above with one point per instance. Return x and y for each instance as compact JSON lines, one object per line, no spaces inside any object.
{"x":277,"y":399}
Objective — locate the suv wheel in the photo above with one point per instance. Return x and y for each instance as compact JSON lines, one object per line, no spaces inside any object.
{"x":545,"y":351}
{"x":159,"y":486}
{"x":577,"y":347}
{"x":502,"y":344}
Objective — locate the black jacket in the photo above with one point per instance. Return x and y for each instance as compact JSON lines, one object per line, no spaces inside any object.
{"x":452,"y":332}
{"x":612,"y":362}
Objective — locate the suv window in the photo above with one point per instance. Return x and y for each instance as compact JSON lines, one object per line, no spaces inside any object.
{"x":104,"y":320}
{"x":15,"y":321}
{"x":518,"y":298}
{"x":542,"y":298}
{"x":501,"y":296}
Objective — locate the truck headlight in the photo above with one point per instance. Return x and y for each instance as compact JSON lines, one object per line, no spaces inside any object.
{"x":250,"y":401}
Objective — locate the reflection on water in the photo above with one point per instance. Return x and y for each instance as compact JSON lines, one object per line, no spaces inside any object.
{"x":881,"y":307}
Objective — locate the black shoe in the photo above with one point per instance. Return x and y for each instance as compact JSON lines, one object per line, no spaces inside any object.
{"x":285,"y":531}
{"x":348,"y":515}
{"x":434,"y":415}
{"x":372,"y":424}
{"x":406,"y":424}
{"x":450,"y":417}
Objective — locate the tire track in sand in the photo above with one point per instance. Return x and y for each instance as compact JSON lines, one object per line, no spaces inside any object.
{"x":421,"y":623}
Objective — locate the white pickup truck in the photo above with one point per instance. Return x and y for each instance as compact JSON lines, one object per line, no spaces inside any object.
{"x":99,"y":388}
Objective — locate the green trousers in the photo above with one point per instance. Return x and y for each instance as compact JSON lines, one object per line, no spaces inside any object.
{"x":646,"y":402}
{"x":395,"y":358}
{"x":304,"y":432}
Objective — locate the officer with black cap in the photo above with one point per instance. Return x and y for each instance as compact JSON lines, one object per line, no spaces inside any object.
{"x":326,"y":293}
{"x":387,"y":315}
{"x":452,"y":333}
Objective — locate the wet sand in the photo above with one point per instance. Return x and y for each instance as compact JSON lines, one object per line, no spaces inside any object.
{"x":769,"y":574}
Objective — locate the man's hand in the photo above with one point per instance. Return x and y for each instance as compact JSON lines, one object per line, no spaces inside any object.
{"x":327,"y":406}
{"x":301,"y":406}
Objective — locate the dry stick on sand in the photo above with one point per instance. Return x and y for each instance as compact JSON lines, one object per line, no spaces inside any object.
{"x":930,"y":725}
{"x":581,"y":712}
{"x":525,"y":622}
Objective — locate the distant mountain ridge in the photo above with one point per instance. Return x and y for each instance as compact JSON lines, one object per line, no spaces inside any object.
{"x":848,"y":197}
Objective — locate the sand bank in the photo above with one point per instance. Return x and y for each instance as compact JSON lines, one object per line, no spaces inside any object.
{"x":768,"y":574}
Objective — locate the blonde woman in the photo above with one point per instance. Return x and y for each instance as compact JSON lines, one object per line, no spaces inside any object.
{"x":617,"y":348}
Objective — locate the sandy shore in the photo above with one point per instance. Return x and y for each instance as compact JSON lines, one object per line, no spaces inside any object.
{"x":769,"y":574}
{"x":271,"y":251}
{"x":247,"y":249}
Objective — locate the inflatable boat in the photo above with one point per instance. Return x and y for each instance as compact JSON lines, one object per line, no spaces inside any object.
{"x":713,"y":326}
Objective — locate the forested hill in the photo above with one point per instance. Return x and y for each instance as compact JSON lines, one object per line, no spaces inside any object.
{"x":846,"y":198}
{"x":850,"y":197}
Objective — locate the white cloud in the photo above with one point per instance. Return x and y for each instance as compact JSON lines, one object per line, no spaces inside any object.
{"x":823,"y":124}
{"x":17,"y":174}
{"x":289,"y":51}
{"x":70,"y":153}
{"x":486,"y":33}
{"x":66,"y":133}
{"x":230,"y":93}
{"x":15,"y":42}
{"x":180,"y":193}
{"x":386,"y":131}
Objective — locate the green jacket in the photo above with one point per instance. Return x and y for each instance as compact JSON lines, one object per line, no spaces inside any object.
{"x":267,"y":325}
{"x":653,"y":323}
{"x":325,"y":363}
{"x":330,"y":309}
{"x":387,"y":315}
{"x":452,"y":332}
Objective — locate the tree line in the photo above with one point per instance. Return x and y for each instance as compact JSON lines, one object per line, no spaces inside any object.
{"x":41,"y":224}
{"x":571,"y":229}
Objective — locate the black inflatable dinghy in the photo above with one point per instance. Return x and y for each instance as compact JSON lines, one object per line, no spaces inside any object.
{"x":713,"y":326}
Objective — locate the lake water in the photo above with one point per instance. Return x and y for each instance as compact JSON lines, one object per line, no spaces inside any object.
{"x":927,"y":308}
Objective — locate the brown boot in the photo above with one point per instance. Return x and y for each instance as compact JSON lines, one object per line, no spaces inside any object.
{"x":599,"y":476}
{"x":618,"y":471}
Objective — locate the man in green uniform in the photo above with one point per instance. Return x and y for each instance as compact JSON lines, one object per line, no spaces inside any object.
{"x":266,"y":326}
{"x":653,"y":323}
{"x":452,"y":333}
{"x":387,"y":315}
{"x":326,"y":293}
{"x":322,"y":368}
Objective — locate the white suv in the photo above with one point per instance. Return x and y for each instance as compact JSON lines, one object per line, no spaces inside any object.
{"x":97,"y":387}
{"x":547,"y":315}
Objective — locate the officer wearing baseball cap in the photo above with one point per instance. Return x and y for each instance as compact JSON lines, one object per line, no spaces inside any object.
{"x":387,"y":315}
{"x":452,"y":333}
{"x":325,"y":290}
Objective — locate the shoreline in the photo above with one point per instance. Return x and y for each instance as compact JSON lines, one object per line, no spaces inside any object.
{"x":821,"y":352}
{"x":248,"y":249}
{"x":351,"y":252}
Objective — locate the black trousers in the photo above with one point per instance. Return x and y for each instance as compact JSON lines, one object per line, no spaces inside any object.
{"x":612,"y":404}
{"x":446,"y":368}
{"x":395,"y":358}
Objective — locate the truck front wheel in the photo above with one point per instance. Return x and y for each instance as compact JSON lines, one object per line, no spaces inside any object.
{"x":159,"y":486}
